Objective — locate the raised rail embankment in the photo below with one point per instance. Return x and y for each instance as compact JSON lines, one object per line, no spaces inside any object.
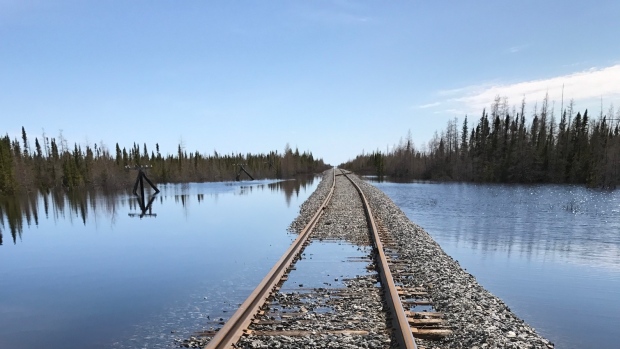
{"x":406,"y":293}
{"x":477,"y":318}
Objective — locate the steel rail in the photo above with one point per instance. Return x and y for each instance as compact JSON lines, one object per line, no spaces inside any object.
{"x":234,"y":328}
{"x":403,"y":332}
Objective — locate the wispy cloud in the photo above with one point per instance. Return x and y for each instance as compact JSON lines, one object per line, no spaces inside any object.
{"x":462,"y":90}
{"x":591,"y":84}
{"x":575,"y":64}
{"x":451,"y":111}
{"x":515,"y":49}
{"x":430,"y":105}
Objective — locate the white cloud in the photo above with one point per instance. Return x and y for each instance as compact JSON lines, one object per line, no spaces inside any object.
{"x":515,"y":49}
{"x":430,"y":105}
{"x":575,"y":64}
{"x":455,"y":111}
{"x":585,"y":86}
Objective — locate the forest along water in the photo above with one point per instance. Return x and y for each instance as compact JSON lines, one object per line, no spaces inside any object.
{"x":90,"y":270}
{"x":551,"y":252}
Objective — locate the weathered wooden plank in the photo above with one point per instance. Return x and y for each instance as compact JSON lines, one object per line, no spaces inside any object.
{"x":430,"y":333}
{"x":206,"y":333}
{"x":417,"y":301}
{"x":412,"y":289}
{"x":423,"y":313}
{"x":412,"y":293}
{"x":299,"y":333}
{"x":435,"y":321}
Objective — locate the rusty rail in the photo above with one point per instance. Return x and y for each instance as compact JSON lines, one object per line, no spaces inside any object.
{"x":403,"y":332}
{"x":230,"y":333}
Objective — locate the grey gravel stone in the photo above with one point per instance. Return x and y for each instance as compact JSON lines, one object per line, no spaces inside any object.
{"x":477,"y":318}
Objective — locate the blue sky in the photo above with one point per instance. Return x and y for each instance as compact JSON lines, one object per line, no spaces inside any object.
{"x":332,"y":77}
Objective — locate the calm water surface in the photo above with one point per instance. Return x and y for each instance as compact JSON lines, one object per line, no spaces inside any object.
{"x":90,"y":270}
{"x":551,"y":252}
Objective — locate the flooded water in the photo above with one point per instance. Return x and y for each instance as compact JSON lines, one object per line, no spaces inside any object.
{"x":551,"y":252}
{"x":94,"y":270}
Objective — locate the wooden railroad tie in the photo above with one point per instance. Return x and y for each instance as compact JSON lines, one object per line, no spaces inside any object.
{"x":427,"y":325}
{"x":430,"y":333}
{"x":300,"y":333}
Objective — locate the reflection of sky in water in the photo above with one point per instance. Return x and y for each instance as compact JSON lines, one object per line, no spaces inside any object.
{"x":552,"y":252}
{"x":570,"y":224}
{"x":327,"y":264}
{"x":83,"y":273}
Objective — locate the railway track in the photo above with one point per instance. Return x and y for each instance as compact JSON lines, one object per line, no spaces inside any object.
{"x":377,"y":308}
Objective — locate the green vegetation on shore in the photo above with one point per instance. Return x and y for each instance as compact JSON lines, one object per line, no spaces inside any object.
{"x":503,"y":146}
{"x":50,"y":163}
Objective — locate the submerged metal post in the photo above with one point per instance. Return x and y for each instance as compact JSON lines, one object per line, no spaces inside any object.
{"x":142,"y":196}
{"x":242,"y":169}
{"x":142,"y":176}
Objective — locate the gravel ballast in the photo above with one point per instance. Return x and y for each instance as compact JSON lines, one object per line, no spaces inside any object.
{"x":349,"y":315}
{"x":352,"y":315}
{"x":477,"y":318}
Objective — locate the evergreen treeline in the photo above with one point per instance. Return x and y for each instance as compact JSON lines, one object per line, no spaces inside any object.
{"x":504,"y":146}
{"x":51,"y":163}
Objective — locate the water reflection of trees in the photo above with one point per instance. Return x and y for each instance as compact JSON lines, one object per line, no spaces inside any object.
{"x":25,"y":208}
{"x":146,"y":206}
{"x":290,"y":187}
{"x":20,"y":211}
{"x":543,"y":222}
